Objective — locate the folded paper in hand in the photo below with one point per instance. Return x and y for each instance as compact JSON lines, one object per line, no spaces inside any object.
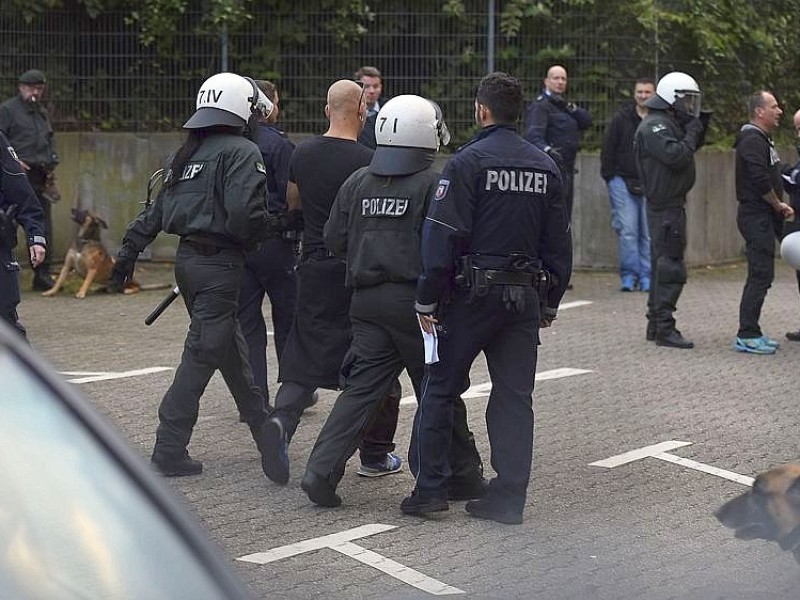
{"x":431,"y":344}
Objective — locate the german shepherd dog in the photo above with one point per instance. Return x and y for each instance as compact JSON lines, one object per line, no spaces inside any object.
{"x":87,"y":256}
{"x":770,"y":510}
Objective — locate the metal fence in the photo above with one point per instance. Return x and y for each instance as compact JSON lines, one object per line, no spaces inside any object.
{"x":102,"y":78}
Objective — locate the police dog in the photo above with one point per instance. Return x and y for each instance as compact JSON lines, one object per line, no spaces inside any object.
{"x":87,"y":256}
{"x":770,"y":510}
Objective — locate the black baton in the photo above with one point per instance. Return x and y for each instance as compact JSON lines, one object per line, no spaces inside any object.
{"x":162,"y":306}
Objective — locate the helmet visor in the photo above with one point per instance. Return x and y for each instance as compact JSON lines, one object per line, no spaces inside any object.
{"x":441,"y":127}
{"x":688,"y":101}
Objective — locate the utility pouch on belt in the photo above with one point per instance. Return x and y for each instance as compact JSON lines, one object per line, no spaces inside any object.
{"x":674,"y":242}
{"x":8,"y":227}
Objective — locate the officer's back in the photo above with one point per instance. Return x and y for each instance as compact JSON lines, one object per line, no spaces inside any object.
{"x":513,"y":179}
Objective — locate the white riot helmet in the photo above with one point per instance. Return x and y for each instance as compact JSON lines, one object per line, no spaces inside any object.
{"x":790,"y":250}
{"x":408,"y":132}
{"x":677,"y":90}
{"x":228,"y":99}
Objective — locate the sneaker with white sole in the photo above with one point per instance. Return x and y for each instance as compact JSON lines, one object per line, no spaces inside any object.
{"x":391,"y":464}
{"x":770,"y":342}
{"x":753,"y":346}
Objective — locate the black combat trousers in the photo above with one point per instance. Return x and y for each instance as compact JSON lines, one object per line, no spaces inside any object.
{"x":317,"y":350}
{"x":9,"y":288}
{"x":509,"y":341}
{"x":37,"y":177}
{"x":210,"y":287}
{"x":268,"y":271}
{"x":667,"y":245}
{"x":386,"y":340}
{"x":759,"y":230}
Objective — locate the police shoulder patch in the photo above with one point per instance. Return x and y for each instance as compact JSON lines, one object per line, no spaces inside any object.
{"x":659,"y":127}
{"x":441,"y":191}
{"x":261,"y":168}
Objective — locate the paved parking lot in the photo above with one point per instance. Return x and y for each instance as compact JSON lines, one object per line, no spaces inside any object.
{"x":640,"y":530}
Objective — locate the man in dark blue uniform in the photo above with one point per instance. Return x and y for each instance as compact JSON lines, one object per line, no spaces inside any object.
{"x":270,"y":269}
{"x":18,"y":205}
{"x":498,"y":213}
{"x":555,"y":125}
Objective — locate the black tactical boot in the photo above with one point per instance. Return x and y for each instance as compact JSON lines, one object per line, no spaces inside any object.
{"x":674,"y":340}
{"x":176,"y":467}
{"x":42,"y":281}
{"x":421,"y":503}
{"x":319,"y":490}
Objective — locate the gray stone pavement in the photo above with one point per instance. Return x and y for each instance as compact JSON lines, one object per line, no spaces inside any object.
{"x":644,"y":530}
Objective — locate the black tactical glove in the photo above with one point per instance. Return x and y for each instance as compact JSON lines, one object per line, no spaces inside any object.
{"x":122,"y":272}
{"x":695,"y":131}
{"x":558,"y":101}
{"x":555,"y":154}
{"x":514,"y":298}
{"x":291,"y":228}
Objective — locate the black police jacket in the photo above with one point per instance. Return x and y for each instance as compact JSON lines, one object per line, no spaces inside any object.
{"x":220,"y":193}
{"x":497,"y":196}
{"x":28,"y":128}
{"x":376,"y":225}
{"x":665,"y":160}
{"x":276,"y":149}
{"x":552,"y":122}
{"x":16,"y":191}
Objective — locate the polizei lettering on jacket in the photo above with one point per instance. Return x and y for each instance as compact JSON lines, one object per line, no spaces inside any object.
{"x":516,"y":180}
{"x":384,"y":207}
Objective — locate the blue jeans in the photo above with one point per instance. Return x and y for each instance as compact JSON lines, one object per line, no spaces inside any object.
{"x":629,"y":220}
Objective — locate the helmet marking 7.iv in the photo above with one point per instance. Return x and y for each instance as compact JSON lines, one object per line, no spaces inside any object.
{"x":228,"y":99}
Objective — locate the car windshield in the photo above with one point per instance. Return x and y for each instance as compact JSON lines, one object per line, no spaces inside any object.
{"x":73,"y":524}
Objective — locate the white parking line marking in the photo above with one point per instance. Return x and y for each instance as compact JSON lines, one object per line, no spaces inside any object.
{"x":342,"y":543}
{"x":574,"y":304}
{"x":90,"y":377}
{"x":659,"y":451}
{"x":483,"y":389}
{"x":396,"y":570}
{"x":646,"y":452}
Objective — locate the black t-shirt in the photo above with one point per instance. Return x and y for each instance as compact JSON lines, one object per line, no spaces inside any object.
{"x":319,"y":166}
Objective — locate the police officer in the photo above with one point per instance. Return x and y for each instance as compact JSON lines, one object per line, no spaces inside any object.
{"x":791,"y":184}
{"x":214,"y":198}
{"x":18,"y":205}
{"x":498,"y":212}
{"x":555,"y":125}
{"x":26,"y":124}
{"x":665,"y":143}
{"x":270,"y":269}
{"x":375,"y":223}
{"x":317,"y":345}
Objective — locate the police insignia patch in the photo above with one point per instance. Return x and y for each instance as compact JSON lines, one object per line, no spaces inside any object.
{"x":441,"y":191}
{"x":261,"y":168}
{"x":659,"y":127}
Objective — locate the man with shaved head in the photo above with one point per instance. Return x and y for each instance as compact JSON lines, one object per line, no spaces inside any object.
{"x":318,"y":341}
{"x":555,"y":125}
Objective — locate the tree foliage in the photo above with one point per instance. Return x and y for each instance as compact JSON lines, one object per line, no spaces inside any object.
{"x":731,"y":47}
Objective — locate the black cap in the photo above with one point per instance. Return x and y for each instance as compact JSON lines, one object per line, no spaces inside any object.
{"x":32,"y":76}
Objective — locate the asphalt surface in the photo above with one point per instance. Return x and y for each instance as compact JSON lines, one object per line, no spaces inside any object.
{"x":643,"y":530}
